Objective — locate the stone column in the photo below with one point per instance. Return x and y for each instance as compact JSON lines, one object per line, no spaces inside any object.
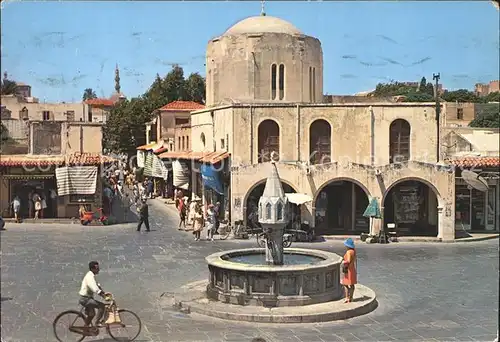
{"x":446,"y":223}
{"x":274,"y":245}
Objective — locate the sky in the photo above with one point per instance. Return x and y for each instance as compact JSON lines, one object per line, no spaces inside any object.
{"x":60,"y":48}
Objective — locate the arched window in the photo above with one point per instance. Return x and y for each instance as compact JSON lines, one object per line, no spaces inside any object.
{"x":282,"y":81}
{"x":399,"y":141}
{"x":202,"y":138}
{"x":179,"y":144}
{"x":279,"y":211}
{"x":320,"y":138}
{"x":268,"y":211}
{"x":273,"y":81}
{"x":183,"y":143}
{"x":312,"y":84}
{"x":187,"y":143}
{"x":269,"y":140}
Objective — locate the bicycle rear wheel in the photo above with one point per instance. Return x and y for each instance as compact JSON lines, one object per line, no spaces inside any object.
{"x":261,"y":240}
{"x":224,"y":234}
{"x":67,"y":326}
{"x":128,"y":329}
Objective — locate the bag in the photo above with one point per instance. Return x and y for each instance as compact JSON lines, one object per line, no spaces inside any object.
{"x":345,"y":268}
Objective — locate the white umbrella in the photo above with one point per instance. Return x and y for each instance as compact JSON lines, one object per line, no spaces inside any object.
{"x":298,"y":198}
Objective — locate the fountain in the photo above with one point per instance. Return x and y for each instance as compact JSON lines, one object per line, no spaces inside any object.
{"x":273,"y":284}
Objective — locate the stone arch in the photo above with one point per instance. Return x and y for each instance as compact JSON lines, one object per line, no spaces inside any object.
{"x":268,"y":139}
{"x":399,"y":141}
{"x":417,"y":179}
{"x":320,"y":143}
{"x":338,"y":179}
{"x":250,"y":190}
{"x":338,"y":207}
{"x":422,"y":201}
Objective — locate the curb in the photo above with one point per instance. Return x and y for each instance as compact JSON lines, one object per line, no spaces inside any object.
{"x":413,"y":239}
{"x":246,"y":314}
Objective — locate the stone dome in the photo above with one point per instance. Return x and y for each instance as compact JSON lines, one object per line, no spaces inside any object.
{"x":262,"y":24}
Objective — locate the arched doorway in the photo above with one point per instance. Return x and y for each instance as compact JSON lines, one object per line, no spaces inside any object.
{"x":412,"y":206}
{"x":339,"y":208}
{"x":252,"y":201}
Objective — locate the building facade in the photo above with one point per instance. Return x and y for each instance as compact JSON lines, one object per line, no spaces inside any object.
{"x":339,"y":154}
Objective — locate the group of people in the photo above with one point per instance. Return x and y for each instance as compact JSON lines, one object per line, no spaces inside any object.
{"x":37,"y":203}
{"x":191,"y":213}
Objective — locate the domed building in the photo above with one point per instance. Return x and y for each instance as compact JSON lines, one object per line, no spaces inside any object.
{"x":274,"y":61}
{"x":265,"y":97}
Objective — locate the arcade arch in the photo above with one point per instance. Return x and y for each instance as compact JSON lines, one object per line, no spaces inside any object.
{"x":412,"y":204}
{"x":340,"y":205}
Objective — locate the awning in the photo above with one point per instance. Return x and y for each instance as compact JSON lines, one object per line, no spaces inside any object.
{"x":28,"y":176}
{"x":298,"y":198}
{"x":211,"y":178}
{"x":76,"y":180}
{"x":141,"y":158}
{"x":146,"y":147}
{"x":181,"y":175}
{"x":148,"y":165}
{"x":214,"y":157}
{"x":187,"y":155}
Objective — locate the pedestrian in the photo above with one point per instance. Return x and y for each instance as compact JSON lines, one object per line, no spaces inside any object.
{"x":349,"y":268}
{"x":192,"y":212}
{"x":16,"y":206}
{"x":198,"y":221}
{"x":143,"y":215}
{"x":210,"y":222}
{"x":150,"y":188}
{"x":37,"y":200}
{"x":216,"y":217}
{"x":44,"y":205}
{"x":182,"y":213}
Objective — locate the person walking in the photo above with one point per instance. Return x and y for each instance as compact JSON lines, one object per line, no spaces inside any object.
{"x":16,"y":206}
{"x":216,"y":217}
{"x":182,"y":213}
{"x":44,"y":205}
{"x":198,"y":221}
{"x":143,"y":215}
{"x":37,"y":200}
{"x":210,"y":222}
{"x":349,"y":268}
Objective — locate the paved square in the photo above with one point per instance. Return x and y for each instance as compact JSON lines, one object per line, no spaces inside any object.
{"x":426,"y":292}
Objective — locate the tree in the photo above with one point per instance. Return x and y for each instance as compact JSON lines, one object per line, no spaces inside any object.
{"x":492,"y":97}
{"x":8,"y":87}
{"x":460,"y":95}
{"x":487,"y":115}
{"x":195,"y":88}
{"x":89,"y":94}
{"x":125,"y":127}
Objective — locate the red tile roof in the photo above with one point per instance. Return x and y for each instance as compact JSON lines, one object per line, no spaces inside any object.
{"x":45,"y":160}
{"x":469,"y":162}
{"x":100,"y":102}
{"x":182,"y":106}
{"x":203,"y":157}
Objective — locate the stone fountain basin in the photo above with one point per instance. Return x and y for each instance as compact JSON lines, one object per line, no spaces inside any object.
{"x":274,"y":286}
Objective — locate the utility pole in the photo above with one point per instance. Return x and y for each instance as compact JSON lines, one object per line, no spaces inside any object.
{"x":436,"y":78}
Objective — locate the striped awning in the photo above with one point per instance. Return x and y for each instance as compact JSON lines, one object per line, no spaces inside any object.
{"x":76,"y":180}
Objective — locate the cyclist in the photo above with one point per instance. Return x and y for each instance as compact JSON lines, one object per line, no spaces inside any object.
{"x":88,"y":289}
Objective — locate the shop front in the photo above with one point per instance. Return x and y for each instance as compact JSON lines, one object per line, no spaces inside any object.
{"x":477,"y":211}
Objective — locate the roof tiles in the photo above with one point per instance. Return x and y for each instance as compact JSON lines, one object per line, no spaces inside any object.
{"x":182,"y":106}
{"x":468,"y":162}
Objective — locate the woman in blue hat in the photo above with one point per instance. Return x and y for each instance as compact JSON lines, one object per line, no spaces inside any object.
{"x":349,"y":269}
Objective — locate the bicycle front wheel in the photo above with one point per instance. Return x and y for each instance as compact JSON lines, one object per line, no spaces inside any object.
{"x":224,"y":234}
{"x":127,"y":329}
{"x":69,"y":326}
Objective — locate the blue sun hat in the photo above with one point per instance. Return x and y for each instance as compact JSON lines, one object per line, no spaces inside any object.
{"x":349,"y":243}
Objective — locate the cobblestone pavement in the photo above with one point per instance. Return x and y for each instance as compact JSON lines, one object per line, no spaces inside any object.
{"x":427,"y":292}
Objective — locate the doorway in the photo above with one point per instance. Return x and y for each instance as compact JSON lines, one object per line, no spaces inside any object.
{"x":339,"y":209}
{"x":26,"y":188}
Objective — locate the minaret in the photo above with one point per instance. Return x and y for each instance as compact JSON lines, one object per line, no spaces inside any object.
{"x":117,"y":79}
{"x":262,"y":7}
{"x":273,"y":215}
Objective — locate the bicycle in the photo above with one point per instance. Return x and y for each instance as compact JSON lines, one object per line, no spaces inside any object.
{"x":239,"y":231}
{"x":114,"y":319}
{"x":262,"y":240}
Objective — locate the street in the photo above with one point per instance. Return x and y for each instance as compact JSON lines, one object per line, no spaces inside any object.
{"x":426,"y":292}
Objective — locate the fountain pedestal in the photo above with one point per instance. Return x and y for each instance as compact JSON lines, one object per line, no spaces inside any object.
{"x":274,"y":244}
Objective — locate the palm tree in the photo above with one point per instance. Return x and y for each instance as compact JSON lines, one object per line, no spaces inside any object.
{"x":89,"y":94}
